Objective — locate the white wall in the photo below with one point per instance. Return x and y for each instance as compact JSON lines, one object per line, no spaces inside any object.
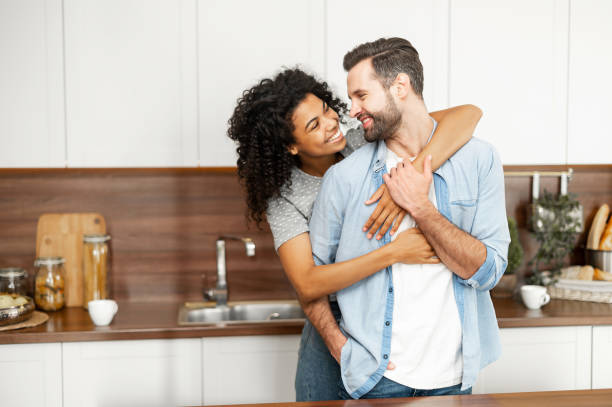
{"x":146,"y":83}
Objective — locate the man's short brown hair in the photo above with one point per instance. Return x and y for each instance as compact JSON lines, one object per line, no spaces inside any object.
{"x":390,"y":57}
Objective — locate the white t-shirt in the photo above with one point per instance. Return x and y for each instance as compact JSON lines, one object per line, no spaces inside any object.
{"x":426,"y":331}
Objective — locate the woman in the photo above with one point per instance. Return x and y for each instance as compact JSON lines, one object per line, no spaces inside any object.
{"x":288,"y":133}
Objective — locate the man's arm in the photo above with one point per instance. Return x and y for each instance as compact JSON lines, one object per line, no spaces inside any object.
{"x":325,"y":229}
{"x":321,"y":317}
{"x":460,"y":252}
{"x":479,"y":260}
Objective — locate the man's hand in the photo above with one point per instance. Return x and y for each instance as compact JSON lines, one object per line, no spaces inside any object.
{"x":335,"y":343}
{"x":409,"y":188}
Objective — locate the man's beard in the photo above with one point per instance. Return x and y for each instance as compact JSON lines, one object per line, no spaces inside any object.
{"x":385,"y":123}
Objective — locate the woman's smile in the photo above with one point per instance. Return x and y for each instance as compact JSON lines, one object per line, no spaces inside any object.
{"x":338,"y":136}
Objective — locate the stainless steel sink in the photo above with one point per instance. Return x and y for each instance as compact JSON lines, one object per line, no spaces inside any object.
{"x":240,"y":312}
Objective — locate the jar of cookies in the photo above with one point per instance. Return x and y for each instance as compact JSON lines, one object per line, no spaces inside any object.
{"x":95,"y":268}
{"x":49,"y":283}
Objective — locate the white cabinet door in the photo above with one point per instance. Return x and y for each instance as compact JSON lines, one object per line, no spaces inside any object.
{"x":422,"y":22}
{"x":32,"y":132}
{"x":540,"y":359}
{"x":602,"y":357}
{"x":31,"y":375}
{"x":590,"y":85}
{"x":249,"y":369}
{"x":240,"y":43}
{"x":510,"y":59}
{"x":133,"y":373}
{"x":131,"y":83}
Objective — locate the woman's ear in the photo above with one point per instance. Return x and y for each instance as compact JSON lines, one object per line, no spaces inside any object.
{"x":292,"y":149}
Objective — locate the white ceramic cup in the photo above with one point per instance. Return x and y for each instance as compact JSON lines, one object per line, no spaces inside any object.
{"x":102,"y":311}
{"x":534,"y":296}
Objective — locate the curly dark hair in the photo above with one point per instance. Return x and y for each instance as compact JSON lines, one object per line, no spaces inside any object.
{"x":262,"y":128}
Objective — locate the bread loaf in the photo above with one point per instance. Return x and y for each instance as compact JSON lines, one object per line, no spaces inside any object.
{"x":586,"y":273}
{"x":577,"y":273}
{"x":602,"y":275}
{"x":606,"y":237}
{"x":597,"y":227}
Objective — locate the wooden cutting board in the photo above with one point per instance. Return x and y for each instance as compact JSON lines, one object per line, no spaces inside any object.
{"x":61,"y":234}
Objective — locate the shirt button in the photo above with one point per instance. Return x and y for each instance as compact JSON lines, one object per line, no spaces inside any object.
{"x":387,"y":323}
{"x":385,"y":356}
{"x":391,"y":289}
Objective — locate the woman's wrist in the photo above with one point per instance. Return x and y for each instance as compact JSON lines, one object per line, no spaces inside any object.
{"x":390,"y":253}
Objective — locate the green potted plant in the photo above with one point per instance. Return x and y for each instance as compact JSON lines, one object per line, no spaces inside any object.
{"x":556,"y":233}
{"x":506,"y":285}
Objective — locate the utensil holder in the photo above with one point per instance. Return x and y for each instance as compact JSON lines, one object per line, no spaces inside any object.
{"x":539,"y":217}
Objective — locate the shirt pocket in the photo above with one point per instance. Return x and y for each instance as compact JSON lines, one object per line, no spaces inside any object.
{"x":463,"y":213}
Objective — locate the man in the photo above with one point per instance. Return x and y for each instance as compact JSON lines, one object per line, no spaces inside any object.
{"x":436,"y":323}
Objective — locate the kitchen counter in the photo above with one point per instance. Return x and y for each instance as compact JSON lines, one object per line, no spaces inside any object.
{"x":159,"y":321}
{"x":546,"y":398}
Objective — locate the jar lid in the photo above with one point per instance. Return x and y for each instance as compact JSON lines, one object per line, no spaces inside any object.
{"x":49,"y":261}
{"x":96,"y":238}
{"x":12,"y":272}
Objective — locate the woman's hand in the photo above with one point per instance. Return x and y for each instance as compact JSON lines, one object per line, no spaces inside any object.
{"x":412,"y":248}
{"x":386,"y":213}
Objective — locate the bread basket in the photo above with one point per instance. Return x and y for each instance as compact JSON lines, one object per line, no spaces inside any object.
{"x":12,"y":315}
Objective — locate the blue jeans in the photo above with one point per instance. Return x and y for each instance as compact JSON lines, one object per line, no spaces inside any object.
{"x":318,"y":373}
{"x":386,"y":388}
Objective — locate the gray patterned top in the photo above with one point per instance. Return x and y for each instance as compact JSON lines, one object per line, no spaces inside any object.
{"x":288,"y":215}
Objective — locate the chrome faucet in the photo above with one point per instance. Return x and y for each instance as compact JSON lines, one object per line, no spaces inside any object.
{"x":219,"y":293}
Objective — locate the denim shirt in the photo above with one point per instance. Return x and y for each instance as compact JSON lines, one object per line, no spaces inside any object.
{"x":469,"y":190}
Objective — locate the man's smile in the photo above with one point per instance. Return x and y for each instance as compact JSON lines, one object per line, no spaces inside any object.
{"x":366,"y":120}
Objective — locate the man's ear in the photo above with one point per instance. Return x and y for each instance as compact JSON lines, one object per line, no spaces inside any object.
{"x":402,"y":86}
{"x":292,"y":149}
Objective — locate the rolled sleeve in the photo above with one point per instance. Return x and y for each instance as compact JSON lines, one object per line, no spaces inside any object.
{"x":487,"y":276}
{"x":491,"y":225}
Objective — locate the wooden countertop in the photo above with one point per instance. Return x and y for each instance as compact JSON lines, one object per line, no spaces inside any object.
{"x":547,"y":398}
{"x":159,"y":321}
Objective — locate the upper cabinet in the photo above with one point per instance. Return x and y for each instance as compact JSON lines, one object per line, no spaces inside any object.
{"x":32,"y":132}
{"x":422,"y":22}
{"x":153,"y":83}
{"x":590,"y":82}
{"x":131,"y":83}
{"x":510,"y":59}
{"x":240,"y":43}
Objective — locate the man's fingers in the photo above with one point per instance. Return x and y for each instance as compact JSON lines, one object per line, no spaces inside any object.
{"x":390,"y":366}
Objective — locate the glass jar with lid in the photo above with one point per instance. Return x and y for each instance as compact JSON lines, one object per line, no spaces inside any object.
{"x":95,"y":268}
{"x":49,"y":283}
{"x":13,"y":280}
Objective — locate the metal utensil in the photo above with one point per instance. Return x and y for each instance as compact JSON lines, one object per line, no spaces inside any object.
{"x":18,"y":313}
{"x":601,"y":259}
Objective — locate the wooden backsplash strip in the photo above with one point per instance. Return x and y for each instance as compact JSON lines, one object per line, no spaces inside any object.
{"x":164,"y":223}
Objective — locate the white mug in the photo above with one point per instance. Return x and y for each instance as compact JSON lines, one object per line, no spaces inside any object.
{"x":102,"y":311}
{"x":534,"y":296}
